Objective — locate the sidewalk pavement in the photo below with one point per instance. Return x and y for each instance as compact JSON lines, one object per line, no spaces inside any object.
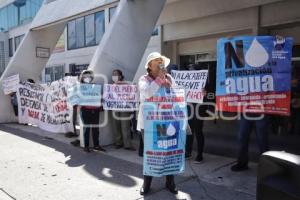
{"x":36,"y":164}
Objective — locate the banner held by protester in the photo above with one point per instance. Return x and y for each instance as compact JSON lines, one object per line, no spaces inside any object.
{"x":252,"y":74}
{"x":120,"y":97}
{"x":193,"y":82}
{"x":45,"y":106}
{"x":11,"y":84}
{"x":85,"y":95}
{"x":165,"y":118}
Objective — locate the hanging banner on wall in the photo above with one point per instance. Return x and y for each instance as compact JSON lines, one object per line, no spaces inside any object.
{"x":254,"y":74}
{"x":165,"y":123}
{"x":85,"y":95}
{"x":120,"y":97}
{"x":45,"y":106}
{"x":11,"y":84}
{"x":193,"y":82}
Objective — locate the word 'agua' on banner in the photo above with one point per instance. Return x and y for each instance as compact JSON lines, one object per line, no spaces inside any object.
{"x":165,"y":132}
{"x":251,"y":67}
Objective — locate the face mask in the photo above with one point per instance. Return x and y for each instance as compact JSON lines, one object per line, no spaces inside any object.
{"x":87,"y":79}
{"x":115,"y":78}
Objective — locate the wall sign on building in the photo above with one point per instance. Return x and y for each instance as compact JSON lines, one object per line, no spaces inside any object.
{"x":42,"y":52}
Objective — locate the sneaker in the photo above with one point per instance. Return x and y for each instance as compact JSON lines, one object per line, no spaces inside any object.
{"x":144,"y":191}
{"x":199,"y":159}
{"x":98,"y":148}
{"x":86,"y":149}
{"x":70,"y":134}
{"x":75,"y":143}
{"x":172,"y":188}
{"x":239,"y":167}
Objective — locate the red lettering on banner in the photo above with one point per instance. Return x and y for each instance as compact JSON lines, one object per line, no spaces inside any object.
{"x":33,"y":114}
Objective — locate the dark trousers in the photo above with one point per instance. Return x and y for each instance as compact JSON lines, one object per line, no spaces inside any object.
{"x":90,"y":119}
{"x":246,"y":127}
{"x":74,"y":117}
{"x":196,"y":125}
{"x":148,"y":179}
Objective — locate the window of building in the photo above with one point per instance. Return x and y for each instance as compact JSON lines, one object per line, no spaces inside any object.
{"x":112,"y":11}
{"x":71,"y":35}
{"x":18,"y":40}
{"x":54,"y":73}
{"x":86,"y":31}
{"x":100,"y":25}
{"x":18,"y":13}
{"x":79,"y":27}
{"x":155,"y":31}
{"x":10,"y":47}
{"x":90,"y":38}
{"x":2,"y":57}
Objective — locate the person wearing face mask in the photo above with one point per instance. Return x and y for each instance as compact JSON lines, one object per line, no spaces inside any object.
{"x":149,"y":84}
{"x":121,"y":119}
{"x":90,"y":117}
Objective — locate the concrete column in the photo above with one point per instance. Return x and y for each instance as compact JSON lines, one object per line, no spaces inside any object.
{"x":27,"y":64}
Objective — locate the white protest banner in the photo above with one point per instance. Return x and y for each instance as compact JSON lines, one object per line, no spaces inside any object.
{"x":120,"y":97}
{"x":85,"y":95}
{"x":45,"y":106}
{"x":193,"y":82}
{"x":10,"y":84}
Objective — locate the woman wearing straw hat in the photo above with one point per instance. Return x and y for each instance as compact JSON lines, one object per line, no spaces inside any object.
{"x":149,"y":84}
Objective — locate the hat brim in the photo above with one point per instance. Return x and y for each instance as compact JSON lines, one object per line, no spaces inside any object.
{"x":165,"y":59}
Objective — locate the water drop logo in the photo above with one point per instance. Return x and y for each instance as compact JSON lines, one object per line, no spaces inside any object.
{"x":171,"y":130}
{"x":256,"y":55}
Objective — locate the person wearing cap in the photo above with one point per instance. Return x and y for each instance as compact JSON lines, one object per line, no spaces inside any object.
{"x":90,"y":117}
{"x":148,"y":85}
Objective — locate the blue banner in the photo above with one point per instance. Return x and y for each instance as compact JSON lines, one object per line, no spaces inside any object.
{"x":254,"y":74}
{"x":85,"y":95}
{"x":165,"y":120}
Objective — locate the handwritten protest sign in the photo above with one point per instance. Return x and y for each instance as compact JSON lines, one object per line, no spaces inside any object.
{"x":85,"y":95}
{"x":193,"y":82}
{"x":165,"y":132}
{"x":45,"y":106}
{"x":254,"y":74}
{"x":10,"y":84}
{"x":120,"y":97}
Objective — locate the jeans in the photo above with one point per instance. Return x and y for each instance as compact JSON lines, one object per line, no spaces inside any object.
{"x":246,"y":127}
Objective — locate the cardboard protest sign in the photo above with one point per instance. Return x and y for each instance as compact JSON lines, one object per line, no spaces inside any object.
{"x":10,"y":84}
{"x":120,"y":97}
{"x":193,"y":82}
{"x":45,"y":106}
{"x":85,"y":95}
{"x":165,"y":120}
{"x":254,"y":74}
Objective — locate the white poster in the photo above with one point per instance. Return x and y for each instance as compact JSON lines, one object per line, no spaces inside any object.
{"x":120,"y":97}
{"x":10,"y":84}
{"x":45,"y":106}
{"x":193,"y":82}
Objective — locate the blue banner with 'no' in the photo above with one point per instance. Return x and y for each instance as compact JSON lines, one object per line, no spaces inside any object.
{"x":254,"y":74}
{"x":165,"y":120}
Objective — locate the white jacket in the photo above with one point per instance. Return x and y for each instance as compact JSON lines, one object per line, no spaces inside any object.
{"x":147,"y":88}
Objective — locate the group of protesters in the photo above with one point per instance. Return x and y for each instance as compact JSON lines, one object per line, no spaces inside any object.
{"x":157,"y":77}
